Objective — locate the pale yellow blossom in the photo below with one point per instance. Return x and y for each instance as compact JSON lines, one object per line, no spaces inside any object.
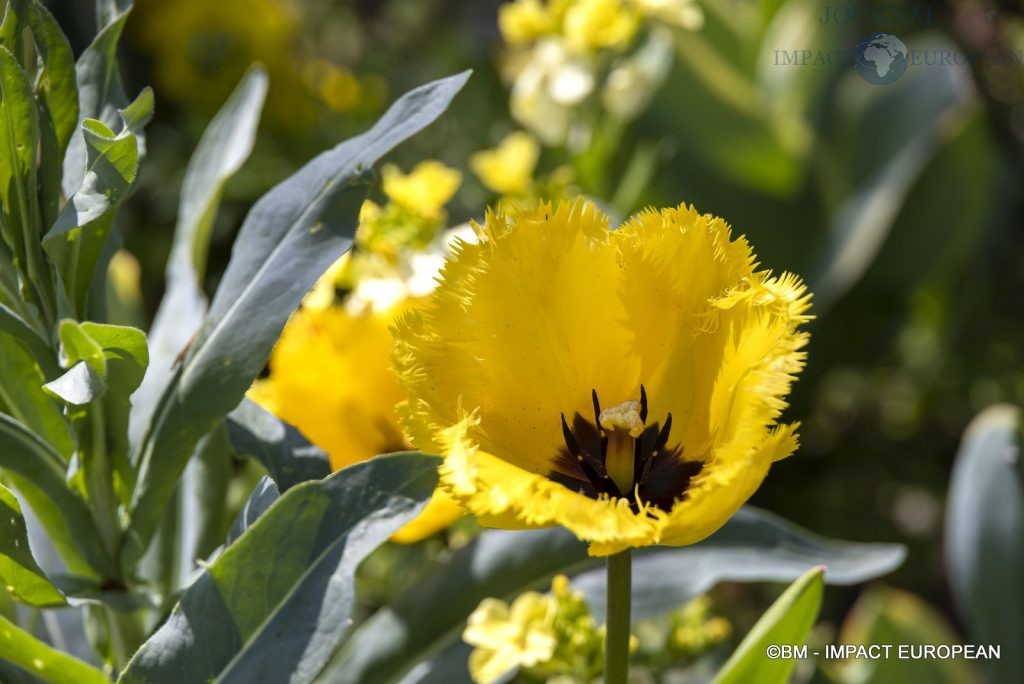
{"x":508,"y":168}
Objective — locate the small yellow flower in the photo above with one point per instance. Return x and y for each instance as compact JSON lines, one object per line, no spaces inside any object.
{"x":524,"y":21}
{"x":626,"y":384}
{"x":595,"y":24}
{"x":424,"y":190}
{"x":508,"y":168}
{"x":508,"y":637}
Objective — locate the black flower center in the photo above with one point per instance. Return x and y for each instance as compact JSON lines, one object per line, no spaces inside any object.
{"x":660,"y":475}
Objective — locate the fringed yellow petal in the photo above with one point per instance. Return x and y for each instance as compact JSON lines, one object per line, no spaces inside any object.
{"x":499,"y":492}
{"x":677,"y":261}
{"x":724,"y":486}
{"x":522,"y":329}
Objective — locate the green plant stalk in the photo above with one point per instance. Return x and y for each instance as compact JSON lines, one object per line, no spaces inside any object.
{"x":126,"y":635}
{"x":100,"y":482}
{"x":125,"y":629}
{"x":620,"y":589}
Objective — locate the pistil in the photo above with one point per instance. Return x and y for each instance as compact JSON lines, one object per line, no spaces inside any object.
{"x":621,"y":425}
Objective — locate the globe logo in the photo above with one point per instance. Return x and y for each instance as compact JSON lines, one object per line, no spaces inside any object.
{"x":881,"y":58}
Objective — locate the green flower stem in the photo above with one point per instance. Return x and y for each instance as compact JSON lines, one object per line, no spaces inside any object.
{"x":620,"y":589}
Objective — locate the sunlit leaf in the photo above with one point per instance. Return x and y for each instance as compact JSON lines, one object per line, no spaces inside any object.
{"x":787,"y":622}
{"x":275,"y":604}
{"x":19,"y":571}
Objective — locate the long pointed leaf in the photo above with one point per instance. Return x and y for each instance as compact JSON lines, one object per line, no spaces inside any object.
{"x":43,"y":661}
{"x":275,"y":604}
{"x":100,"y":95}
{"x":787,"y":622}
{"x":18,"y":569}
{"x":291,"y":236}
{"x":224,"y":147}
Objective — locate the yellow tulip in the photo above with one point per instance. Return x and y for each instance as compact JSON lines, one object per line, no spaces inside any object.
{"x":625,"y":384}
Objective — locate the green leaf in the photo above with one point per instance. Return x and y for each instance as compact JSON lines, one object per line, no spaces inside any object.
{"x":38,"y":474}
{"x":117,"y":357}
{"x":290,"y":237}
{"x":43,"y":661}
{"x":279,"y":447}
{"x":22,"y":397}
{"x":204,"y":498}
{"x":18,"y":569}
{"x":57,"y":100}
{"x":788,"y":621}
{"x":224,"y":147}
{"x":275,"y":604}
{"x":55,"y":82}
{"x":78,"y":386}
{"x":195,"y":523}
{"x":77,"y":345}
{"x":752,"y":546}
{"x":19,"y":134}
{"x":12,"y":323}
{"x":259,"y":502}
{"x":984,"y":529}
{"x":78,"y":237}
{"x":883,"y":615}
{"x":101,"y":94}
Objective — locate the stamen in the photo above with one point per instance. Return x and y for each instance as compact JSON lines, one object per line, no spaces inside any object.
{"x":620,"y":456}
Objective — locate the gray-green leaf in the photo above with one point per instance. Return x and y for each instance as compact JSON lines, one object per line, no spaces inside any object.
{"x":224,"y":147}
{"x":100,"y":95}
{"x":276,"y":603}
{"x":291,"y":236}
{"x":38,"y":473}
{"x":279,"y":447}
{"x":76,"y":240}
{"x":984,"y":534}
{"x":78,"y":386}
